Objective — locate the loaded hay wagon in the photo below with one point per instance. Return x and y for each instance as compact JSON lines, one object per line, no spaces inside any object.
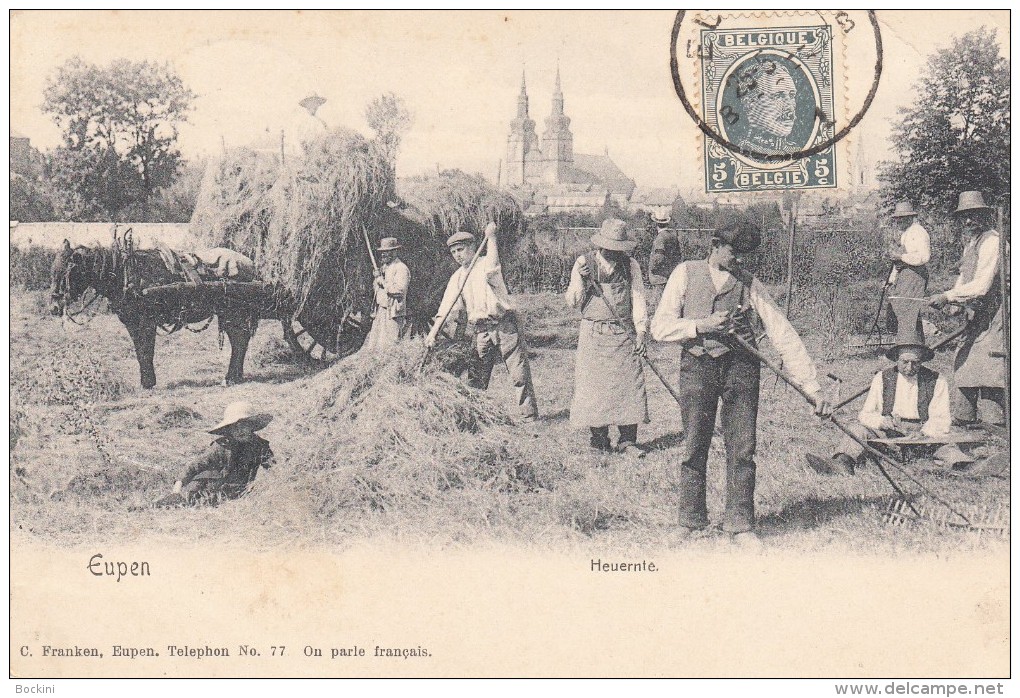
{"x":307,"y":223}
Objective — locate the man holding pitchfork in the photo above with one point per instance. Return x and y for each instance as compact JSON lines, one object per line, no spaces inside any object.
{"x":478,"y":289}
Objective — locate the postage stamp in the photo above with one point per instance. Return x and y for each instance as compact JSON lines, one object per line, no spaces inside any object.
{"x":775,"y":94}
{"x":769,"y":92}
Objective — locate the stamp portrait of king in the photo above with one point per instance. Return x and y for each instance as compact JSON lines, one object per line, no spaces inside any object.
{"x":768,"y":94}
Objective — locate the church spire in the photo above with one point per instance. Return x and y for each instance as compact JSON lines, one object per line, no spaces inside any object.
{"x":522,"y":99}
{"x":557,"y":100}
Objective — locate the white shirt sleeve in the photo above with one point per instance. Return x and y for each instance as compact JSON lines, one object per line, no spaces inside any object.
{"x":988,"y":264}
{"x":917,"y":246}
{"x":452,"y":286}
{"x":667,"y":325}
{"x":575,"y":291}
{"x":940,"y":420}
{"x":637,"y":298}
{"x":871,"y":413}
{"x":786,"y":340}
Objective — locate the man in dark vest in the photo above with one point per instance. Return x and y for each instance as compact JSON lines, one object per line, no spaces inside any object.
{"x":905,"y":399}
{"x":704,"y":302}
{"x":976,"y":372}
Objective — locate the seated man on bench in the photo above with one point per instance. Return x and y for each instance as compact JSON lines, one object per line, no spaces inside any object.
{"x":908,"y":399}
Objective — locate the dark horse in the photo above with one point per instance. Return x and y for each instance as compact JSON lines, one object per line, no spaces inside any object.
{"x":122,"y":275}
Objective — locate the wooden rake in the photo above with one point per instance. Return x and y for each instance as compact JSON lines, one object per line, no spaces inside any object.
{"x":992,"y":520}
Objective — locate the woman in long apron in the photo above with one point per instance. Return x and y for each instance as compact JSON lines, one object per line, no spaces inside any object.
{"x":609,"y":384}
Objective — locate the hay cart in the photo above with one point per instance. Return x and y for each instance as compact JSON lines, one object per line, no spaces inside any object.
{"x":308,"y":225}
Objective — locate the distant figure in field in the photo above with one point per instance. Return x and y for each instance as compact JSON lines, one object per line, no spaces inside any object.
{"x":392,"y":279}
{"x":664,"y":257}
{"x":910,"y":259}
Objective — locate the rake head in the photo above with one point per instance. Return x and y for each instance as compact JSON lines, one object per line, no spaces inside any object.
{"x":982,"y":520}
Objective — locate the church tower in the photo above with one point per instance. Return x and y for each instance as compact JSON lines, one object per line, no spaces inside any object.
{"x":557,"y":140}
{"x":522,"y":140}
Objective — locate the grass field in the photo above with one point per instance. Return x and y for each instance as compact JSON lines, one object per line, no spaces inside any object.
{"x":431,"y":463}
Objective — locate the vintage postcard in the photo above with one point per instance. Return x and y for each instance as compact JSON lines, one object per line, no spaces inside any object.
{"x":510,"y":344}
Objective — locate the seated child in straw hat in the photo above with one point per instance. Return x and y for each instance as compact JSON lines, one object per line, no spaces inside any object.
{"x":230,"y":464}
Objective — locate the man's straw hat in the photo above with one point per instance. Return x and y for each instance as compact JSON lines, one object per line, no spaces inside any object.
{"x":904,"y":209}
{"x":241,"y":411}
{"x":389,"y":245}
{"x":971,"y":201}
{"x":613,"y":236}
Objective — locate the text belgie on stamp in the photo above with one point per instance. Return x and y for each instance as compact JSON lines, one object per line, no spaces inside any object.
{"x":771,"y":94}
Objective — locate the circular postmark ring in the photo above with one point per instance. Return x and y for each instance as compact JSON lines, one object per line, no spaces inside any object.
{"x":674,"y":67}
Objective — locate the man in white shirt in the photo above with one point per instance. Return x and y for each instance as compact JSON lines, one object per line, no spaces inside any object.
{"x":703,"y":303}
{"x":392,"y":280}
{"x":907,"y":399}
{"x":491,"y":317}
{"x":910,"y":258}
{"x":976,"y":373}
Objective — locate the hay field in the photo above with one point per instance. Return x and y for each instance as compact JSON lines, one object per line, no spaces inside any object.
{"x":370,"y":451}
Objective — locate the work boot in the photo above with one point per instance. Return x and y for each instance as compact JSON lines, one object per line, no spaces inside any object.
{"x":600,"y":440}
{"x":631,"y":449}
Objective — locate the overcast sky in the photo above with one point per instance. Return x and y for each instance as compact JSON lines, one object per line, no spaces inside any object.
{"x":459,"y":72}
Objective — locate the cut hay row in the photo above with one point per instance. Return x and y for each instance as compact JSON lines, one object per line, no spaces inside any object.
{"x":305,"y":225}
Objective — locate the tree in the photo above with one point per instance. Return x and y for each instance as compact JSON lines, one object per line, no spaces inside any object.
{"x":389,"y":117}
{"x":120,"y":126}
{"x":956,"y":135}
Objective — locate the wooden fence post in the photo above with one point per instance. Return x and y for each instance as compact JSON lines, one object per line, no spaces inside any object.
{"x":789,"y":257}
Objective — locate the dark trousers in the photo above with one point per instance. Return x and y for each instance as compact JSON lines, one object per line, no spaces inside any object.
{"x":966,"y":407}
{"x":503,"y":342}
{"x":732,"y":378}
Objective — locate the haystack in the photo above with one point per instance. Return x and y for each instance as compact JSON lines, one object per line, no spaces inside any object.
{"x":375,"y":434}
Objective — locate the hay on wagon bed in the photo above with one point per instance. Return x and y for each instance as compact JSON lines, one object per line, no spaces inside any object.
{"x":433,"y":207}
{"x":233,"y":206}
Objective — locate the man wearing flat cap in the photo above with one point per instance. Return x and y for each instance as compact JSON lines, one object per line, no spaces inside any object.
{"x":392,"y":279}
{"x":491,"y":316}
{"x":909,"y":278}
{"x":976,"y":373}
{"x":230,"y":464}
{"x":609,"y":383}
{"x":705,"y":301}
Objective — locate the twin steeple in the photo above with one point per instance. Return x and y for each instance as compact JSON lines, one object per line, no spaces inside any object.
{"x":527,"y":160}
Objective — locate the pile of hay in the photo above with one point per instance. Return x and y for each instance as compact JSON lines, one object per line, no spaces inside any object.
{"x":376,"y":435}
{"x":305,"y":223}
